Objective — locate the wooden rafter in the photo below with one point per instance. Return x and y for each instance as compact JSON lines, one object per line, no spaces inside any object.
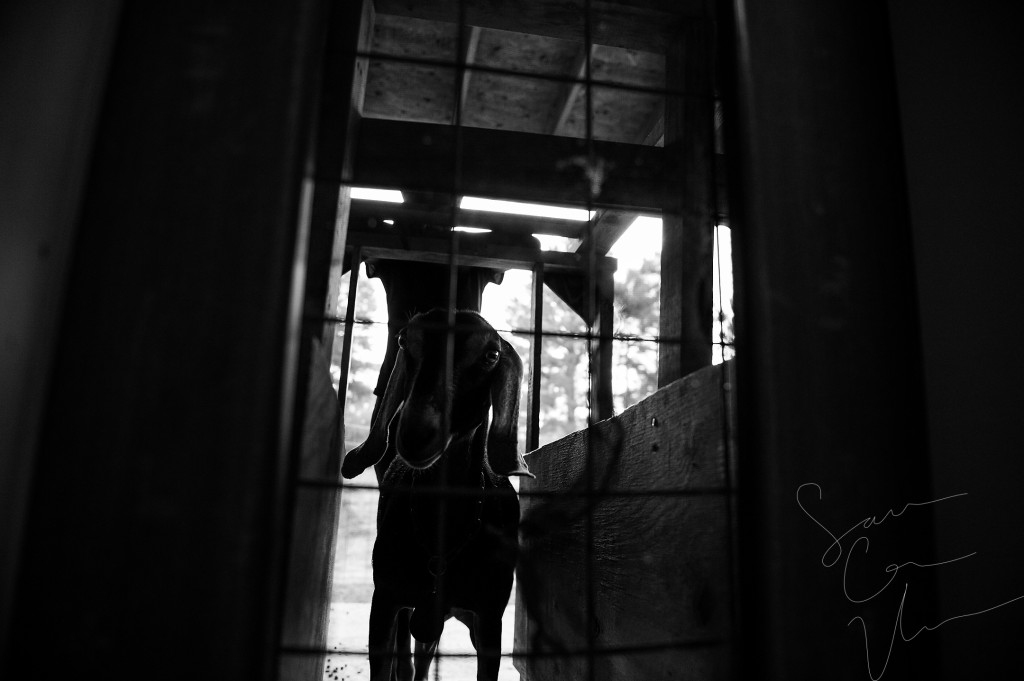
{"x":468,"y":57}
{"x":471,"y":251}
{"x":364,"y":211}
{"x":570,"y":92}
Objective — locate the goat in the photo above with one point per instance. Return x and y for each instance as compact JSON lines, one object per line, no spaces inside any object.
{"x":448,"y":517}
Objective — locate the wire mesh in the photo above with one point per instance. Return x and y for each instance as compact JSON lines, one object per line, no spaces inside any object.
{"x":563,"y":343}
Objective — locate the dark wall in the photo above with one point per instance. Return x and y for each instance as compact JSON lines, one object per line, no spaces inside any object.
{"x":958,"y":72}
{"x":153,"y":480}
{"x":54,"y":56}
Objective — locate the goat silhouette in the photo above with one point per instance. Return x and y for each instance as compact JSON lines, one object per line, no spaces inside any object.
{"x":448,"y":517}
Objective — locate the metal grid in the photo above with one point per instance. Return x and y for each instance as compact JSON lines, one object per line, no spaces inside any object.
{"x":594,"y":269}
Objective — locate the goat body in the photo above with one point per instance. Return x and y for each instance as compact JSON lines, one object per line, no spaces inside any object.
{"x":448,"y":517}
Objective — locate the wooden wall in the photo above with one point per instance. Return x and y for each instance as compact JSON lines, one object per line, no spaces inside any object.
{"x":639,"y":571}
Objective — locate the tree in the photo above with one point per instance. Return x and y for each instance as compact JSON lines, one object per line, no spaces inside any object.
{"x":369,"y":339}
{"x":635,"y":352}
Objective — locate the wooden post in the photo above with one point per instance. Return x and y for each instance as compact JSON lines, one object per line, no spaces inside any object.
{"x":601,"y":397}
{"x":342,"y":90}
{"x":158,"y":504}
{"x":831,"y":404}
{"x":318,"y":431}
{"x":688,"y":218}
{"x":536,"y":353}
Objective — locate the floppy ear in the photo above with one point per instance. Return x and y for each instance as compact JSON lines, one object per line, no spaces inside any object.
{"x":503,"y":438}
{"x":373,"y":450}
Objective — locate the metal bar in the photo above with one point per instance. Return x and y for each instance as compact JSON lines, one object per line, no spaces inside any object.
{"x":346,"y":341}
{"x":533,"y":422}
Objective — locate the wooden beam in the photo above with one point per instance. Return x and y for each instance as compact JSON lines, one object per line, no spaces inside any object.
{"x":609,"y":225}
{"x":425,"y":249}
{"x":688,"y":225}
{"x":655,"y":135}
{"x":468,"y":57}
{"x":363,"y":211}
{"x":569,"y":92}
{"x":629,"y":24}
{"x":509,"y":165}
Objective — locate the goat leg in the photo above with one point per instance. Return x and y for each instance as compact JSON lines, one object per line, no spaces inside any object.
{"x":403,"y":648}
{"x":384,"y":621}
{"x":424,"y":656}
{"x":488,"y":645}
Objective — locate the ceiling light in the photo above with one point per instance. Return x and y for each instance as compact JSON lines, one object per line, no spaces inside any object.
{"x":532,"y":209}
{"x":370,"y":194}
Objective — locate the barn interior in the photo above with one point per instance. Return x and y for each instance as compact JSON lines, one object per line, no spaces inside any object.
{"x":180,"y":210}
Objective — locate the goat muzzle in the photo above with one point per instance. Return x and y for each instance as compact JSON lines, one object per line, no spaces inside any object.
{"x":419,"y":438}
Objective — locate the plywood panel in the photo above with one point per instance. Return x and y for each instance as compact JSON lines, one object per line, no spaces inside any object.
{"x":638,"y":570}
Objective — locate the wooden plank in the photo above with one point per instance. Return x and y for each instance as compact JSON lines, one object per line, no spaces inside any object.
{"x":628,"y":24}
{"x":512,"y":165}
{"x":688,"y":224}
{"x":658,"y":563}
{"x":421,"y":249}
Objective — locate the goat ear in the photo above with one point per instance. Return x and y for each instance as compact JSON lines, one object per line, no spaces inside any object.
{"x":503,"y":438}
{"x":372,"y":451}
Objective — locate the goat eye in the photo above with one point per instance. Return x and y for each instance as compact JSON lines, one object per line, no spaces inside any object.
{"x":492,"y":356}
{"x":401,"y":340}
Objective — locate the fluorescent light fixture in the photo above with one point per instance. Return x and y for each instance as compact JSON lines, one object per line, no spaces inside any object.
{"x":517,"y":208}
{"x":370,"y":194}
{"x":470,"y":230}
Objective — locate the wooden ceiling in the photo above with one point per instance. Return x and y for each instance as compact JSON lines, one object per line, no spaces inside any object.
{"x":548,"y":98}
{"x":514,"y":78}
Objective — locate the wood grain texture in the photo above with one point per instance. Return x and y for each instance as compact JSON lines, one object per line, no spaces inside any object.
{"x":620,"y":23}
{"x":640,"y":570}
